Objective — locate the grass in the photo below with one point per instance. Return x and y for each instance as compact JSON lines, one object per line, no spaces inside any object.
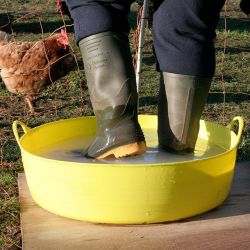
{"x":69,"y":96}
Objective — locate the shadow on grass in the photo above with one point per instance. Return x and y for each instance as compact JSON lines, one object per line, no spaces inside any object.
{"x":235,"y":24}
{"x":148,"y":100}
{"x":133,"y":19}
{"x":148,"y":59}
{"x":227,"y":78}
{"x":35,"y":28}
{"x":212,"y":98}
{"x":234,"y":50}
{"x":4,"y":22}
{"x":230,"y":97}
{"x":31,"y":24}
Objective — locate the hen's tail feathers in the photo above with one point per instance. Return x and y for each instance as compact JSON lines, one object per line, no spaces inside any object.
{"x":5,"y":36}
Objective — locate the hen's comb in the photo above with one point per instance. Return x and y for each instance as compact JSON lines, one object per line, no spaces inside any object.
{"x":63,"y":39}
{"x":64,"y":33}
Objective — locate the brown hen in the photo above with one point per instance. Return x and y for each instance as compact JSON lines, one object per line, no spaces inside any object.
{"x":26,"y":67}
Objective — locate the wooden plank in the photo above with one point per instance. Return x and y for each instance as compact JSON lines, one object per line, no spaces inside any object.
{"x":227,"y":227}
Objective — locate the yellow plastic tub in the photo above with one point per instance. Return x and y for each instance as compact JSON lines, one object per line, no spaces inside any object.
{"x":155,"y":187}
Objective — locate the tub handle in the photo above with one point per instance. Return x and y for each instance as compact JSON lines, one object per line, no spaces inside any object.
{"x":15,"y":130}
{"x":240,"y":121}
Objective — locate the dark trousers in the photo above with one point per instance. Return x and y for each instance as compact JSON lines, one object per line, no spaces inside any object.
{"x":183,"y":30}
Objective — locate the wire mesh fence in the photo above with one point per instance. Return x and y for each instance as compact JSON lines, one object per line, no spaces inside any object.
{"x":27,"y":20}
{"x":37,"y":20}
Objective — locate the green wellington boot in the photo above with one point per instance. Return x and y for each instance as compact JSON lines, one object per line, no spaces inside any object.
{"x":112,"y":88}
{"x":181,"y":101}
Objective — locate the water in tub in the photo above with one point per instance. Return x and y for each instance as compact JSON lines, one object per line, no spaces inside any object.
{"x":73,"y":150}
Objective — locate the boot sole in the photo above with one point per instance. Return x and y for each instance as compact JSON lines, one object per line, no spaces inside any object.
{"x":131,"y":149}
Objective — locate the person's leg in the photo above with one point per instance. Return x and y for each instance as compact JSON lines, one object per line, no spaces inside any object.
{"x":104,"y":46}
{"x":183,"y":34}
{"x":95,"y":16}
{"x":181,"y":102}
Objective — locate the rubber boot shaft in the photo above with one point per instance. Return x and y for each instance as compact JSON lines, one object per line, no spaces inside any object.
{"x":181,"y":102}
{"x":112,"y":88}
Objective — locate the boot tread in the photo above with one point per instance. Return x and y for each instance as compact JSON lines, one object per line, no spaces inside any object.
{"x":130,"y":149}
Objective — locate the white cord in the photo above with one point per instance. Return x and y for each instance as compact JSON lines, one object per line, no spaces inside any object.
{"x":141,"y":43}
